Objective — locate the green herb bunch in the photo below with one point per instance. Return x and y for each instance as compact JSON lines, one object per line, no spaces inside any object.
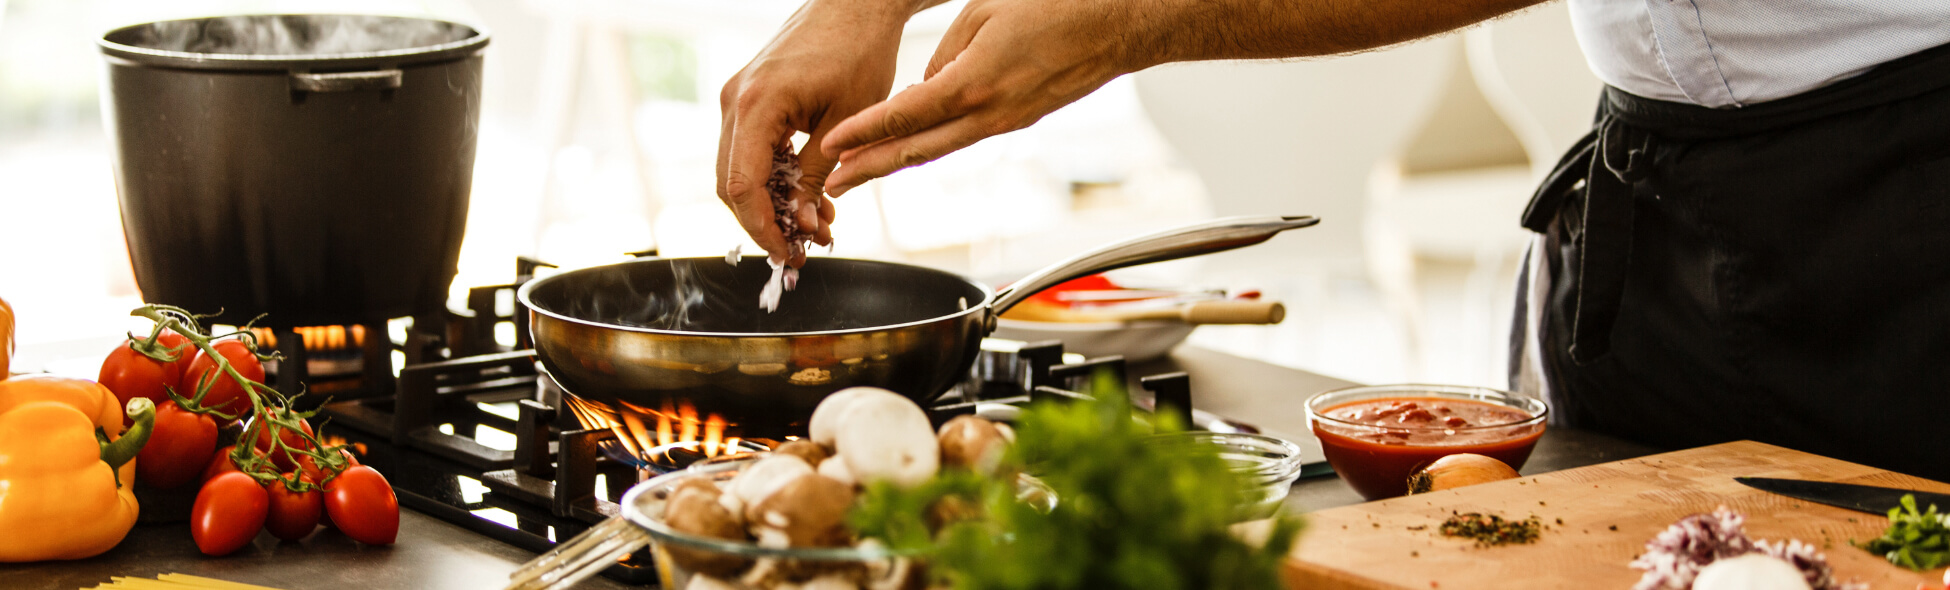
{"x":1918,"y":540}
{"x":1130,"y":513}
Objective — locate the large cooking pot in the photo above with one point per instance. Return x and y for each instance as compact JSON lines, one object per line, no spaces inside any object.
{"x":639,"y":341}
{"x":311,"y":167}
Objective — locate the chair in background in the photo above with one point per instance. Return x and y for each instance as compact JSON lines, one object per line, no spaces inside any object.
{"x":1518,"y":95}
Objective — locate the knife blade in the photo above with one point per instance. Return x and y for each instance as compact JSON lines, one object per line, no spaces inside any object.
{"x":1861,"y":498}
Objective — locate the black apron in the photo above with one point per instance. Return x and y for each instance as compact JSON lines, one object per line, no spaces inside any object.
{"x":1779,"y":272}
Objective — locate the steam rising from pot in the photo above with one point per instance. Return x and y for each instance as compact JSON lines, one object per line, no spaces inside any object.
{"x":295,"y":35}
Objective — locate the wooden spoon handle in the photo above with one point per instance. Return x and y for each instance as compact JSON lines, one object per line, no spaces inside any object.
{"x":1233,"y":311}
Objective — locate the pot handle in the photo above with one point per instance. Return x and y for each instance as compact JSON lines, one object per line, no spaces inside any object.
{"x":347,"y":81}
{"x":1193,"y":240}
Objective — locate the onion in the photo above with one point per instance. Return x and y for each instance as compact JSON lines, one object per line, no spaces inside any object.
{"x":1752,"y":571}
{"x":1455,"y":471}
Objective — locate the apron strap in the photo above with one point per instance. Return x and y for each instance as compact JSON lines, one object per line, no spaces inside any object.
{"x":1607,"y":164}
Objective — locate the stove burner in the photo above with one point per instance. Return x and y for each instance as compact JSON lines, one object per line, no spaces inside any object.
{"x":475,"y":434}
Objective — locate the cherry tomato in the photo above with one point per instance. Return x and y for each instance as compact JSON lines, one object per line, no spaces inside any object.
{"x":131,"y":375}
{"x":294,"y":515}
{"x":225,"y":394}
{"x":229,"y":511}
{"x":310,"y":467}
{"x":220,"y":464}
{"x":261,"y":443}
{"x":363,"y":505}
{"x":179,"y":447}
{"x":170,"y":340}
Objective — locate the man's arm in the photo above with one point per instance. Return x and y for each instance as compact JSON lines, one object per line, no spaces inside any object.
{"x":1004,"y":64}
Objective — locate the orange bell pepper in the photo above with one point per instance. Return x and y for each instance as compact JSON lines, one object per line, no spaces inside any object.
{"x":6,"y":337}
{"x":65,"y":473}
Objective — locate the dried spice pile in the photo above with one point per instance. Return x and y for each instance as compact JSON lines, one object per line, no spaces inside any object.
{"x":1490,"y":529}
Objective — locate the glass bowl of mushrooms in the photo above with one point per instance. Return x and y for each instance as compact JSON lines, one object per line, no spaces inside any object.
{"x":778,"y":520}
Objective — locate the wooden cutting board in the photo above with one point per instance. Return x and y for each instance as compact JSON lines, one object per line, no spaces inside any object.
{"x":1607,"y":513}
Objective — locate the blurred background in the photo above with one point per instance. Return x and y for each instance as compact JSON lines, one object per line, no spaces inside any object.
{"x":600,"y":125}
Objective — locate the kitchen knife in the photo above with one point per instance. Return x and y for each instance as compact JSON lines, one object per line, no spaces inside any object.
{"x":1870,"y":499}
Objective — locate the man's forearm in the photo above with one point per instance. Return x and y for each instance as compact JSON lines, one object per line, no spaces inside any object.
{"x":1190,"y":30}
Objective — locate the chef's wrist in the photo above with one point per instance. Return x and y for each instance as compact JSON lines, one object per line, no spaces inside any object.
{"x":881,"y":14}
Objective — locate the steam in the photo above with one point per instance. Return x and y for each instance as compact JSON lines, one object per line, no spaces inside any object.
{"x":688,"y":301}
{"x":295,"y":35}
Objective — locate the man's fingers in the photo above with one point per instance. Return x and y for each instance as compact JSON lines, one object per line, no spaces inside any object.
{"x":954,"y":41}
{"x":754,"y":138}
{"x":920,"y":107}
{"x":874,"y":161}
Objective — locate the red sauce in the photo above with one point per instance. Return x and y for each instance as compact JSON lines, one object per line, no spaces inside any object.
{"x":1388,"y":439}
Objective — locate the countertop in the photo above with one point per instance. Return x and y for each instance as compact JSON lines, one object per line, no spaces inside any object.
{"x":432,"y":554}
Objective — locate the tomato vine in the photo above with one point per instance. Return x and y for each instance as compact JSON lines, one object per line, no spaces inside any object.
{"x":273,"y":416}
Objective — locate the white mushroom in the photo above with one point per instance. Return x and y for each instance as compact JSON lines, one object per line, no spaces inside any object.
{"x":904,"y":574}
{"x":973,"y":443}
{"x":835,"y":467}
{"x":694,"y":510}
{"x":887,"y":437}
{"x":829,"y":582}
{"x":804,"y":449}
{"x":810,"y":511}
{"x":699,"y":582}
{"x":766,"y":476}
{"x":824,"y":425}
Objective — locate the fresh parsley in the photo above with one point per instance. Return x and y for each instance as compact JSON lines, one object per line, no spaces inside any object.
{"x":1918,"y":540}
{"x":1130,"y":513}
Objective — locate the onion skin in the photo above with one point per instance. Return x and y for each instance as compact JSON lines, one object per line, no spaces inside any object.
{"x":1455,"y":471}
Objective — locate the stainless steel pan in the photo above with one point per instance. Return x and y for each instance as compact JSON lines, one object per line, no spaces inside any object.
{"x":648,"y":337}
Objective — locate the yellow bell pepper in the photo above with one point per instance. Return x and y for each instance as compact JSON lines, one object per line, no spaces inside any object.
{"x":64,"y":472}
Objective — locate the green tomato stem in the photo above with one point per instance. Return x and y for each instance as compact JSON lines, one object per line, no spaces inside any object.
{"x":124,"y":449}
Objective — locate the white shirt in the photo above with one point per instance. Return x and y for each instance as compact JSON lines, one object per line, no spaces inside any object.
{"x":1731,"y":53}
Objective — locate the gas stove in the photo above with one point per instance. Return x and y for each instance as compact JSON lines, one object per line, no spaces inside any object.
{"x":471,"y":431}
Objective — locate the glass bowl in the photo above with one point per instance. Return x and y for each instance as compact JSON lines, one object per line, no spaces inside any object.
{"x":1269,"y":463}
{"x":679,"y":555}
{"x":1376,"y":453}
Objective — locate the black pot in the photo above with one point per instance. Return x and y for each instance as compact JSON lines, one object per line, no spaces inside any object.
{"x":315,"y":168}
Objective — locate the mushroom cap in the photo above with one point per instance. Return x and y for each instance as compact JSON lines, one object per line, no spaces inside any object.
{"x":824,"y":424}
{"x":709,"y":583}
{"x":810,"y":511}
{"x":835,"y":467}
{"x":887,"y":437}
{"x":972,"y":443}
{"x":699,"y":484}
{"x":765,"y":476}
{"x":804,"y":449}
{"x":695,"y":511}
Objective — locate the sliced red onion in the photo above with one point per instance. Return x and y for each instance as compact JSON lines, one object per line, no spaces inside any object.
{"x":1673,"y":559}
{"x":768,"y":297}
{"x":785,"y":176}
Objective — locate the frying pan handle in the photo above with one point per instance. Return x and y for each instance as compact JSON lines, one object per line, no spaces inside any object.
{"x":1193,"y":240}
{"x":347,"y":81}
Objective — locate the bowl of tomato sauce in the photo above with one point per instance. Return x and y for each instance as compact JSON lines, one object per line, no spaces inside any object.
{"x":1376,"y":436}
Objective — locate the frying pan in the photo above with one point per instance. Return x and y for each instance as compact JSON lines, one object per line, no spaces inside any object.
{"x":648,"y":337}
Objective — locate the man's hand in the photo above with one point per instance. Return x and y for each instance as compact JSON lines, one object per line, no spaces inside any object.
{"x":1002,"y":65}
{"x":832,"y":59}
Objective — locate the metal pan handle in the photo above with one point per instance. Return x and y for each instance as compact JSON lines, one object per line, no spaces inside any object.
{"x":1193,"y":240}
{"x":347,"y":81}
